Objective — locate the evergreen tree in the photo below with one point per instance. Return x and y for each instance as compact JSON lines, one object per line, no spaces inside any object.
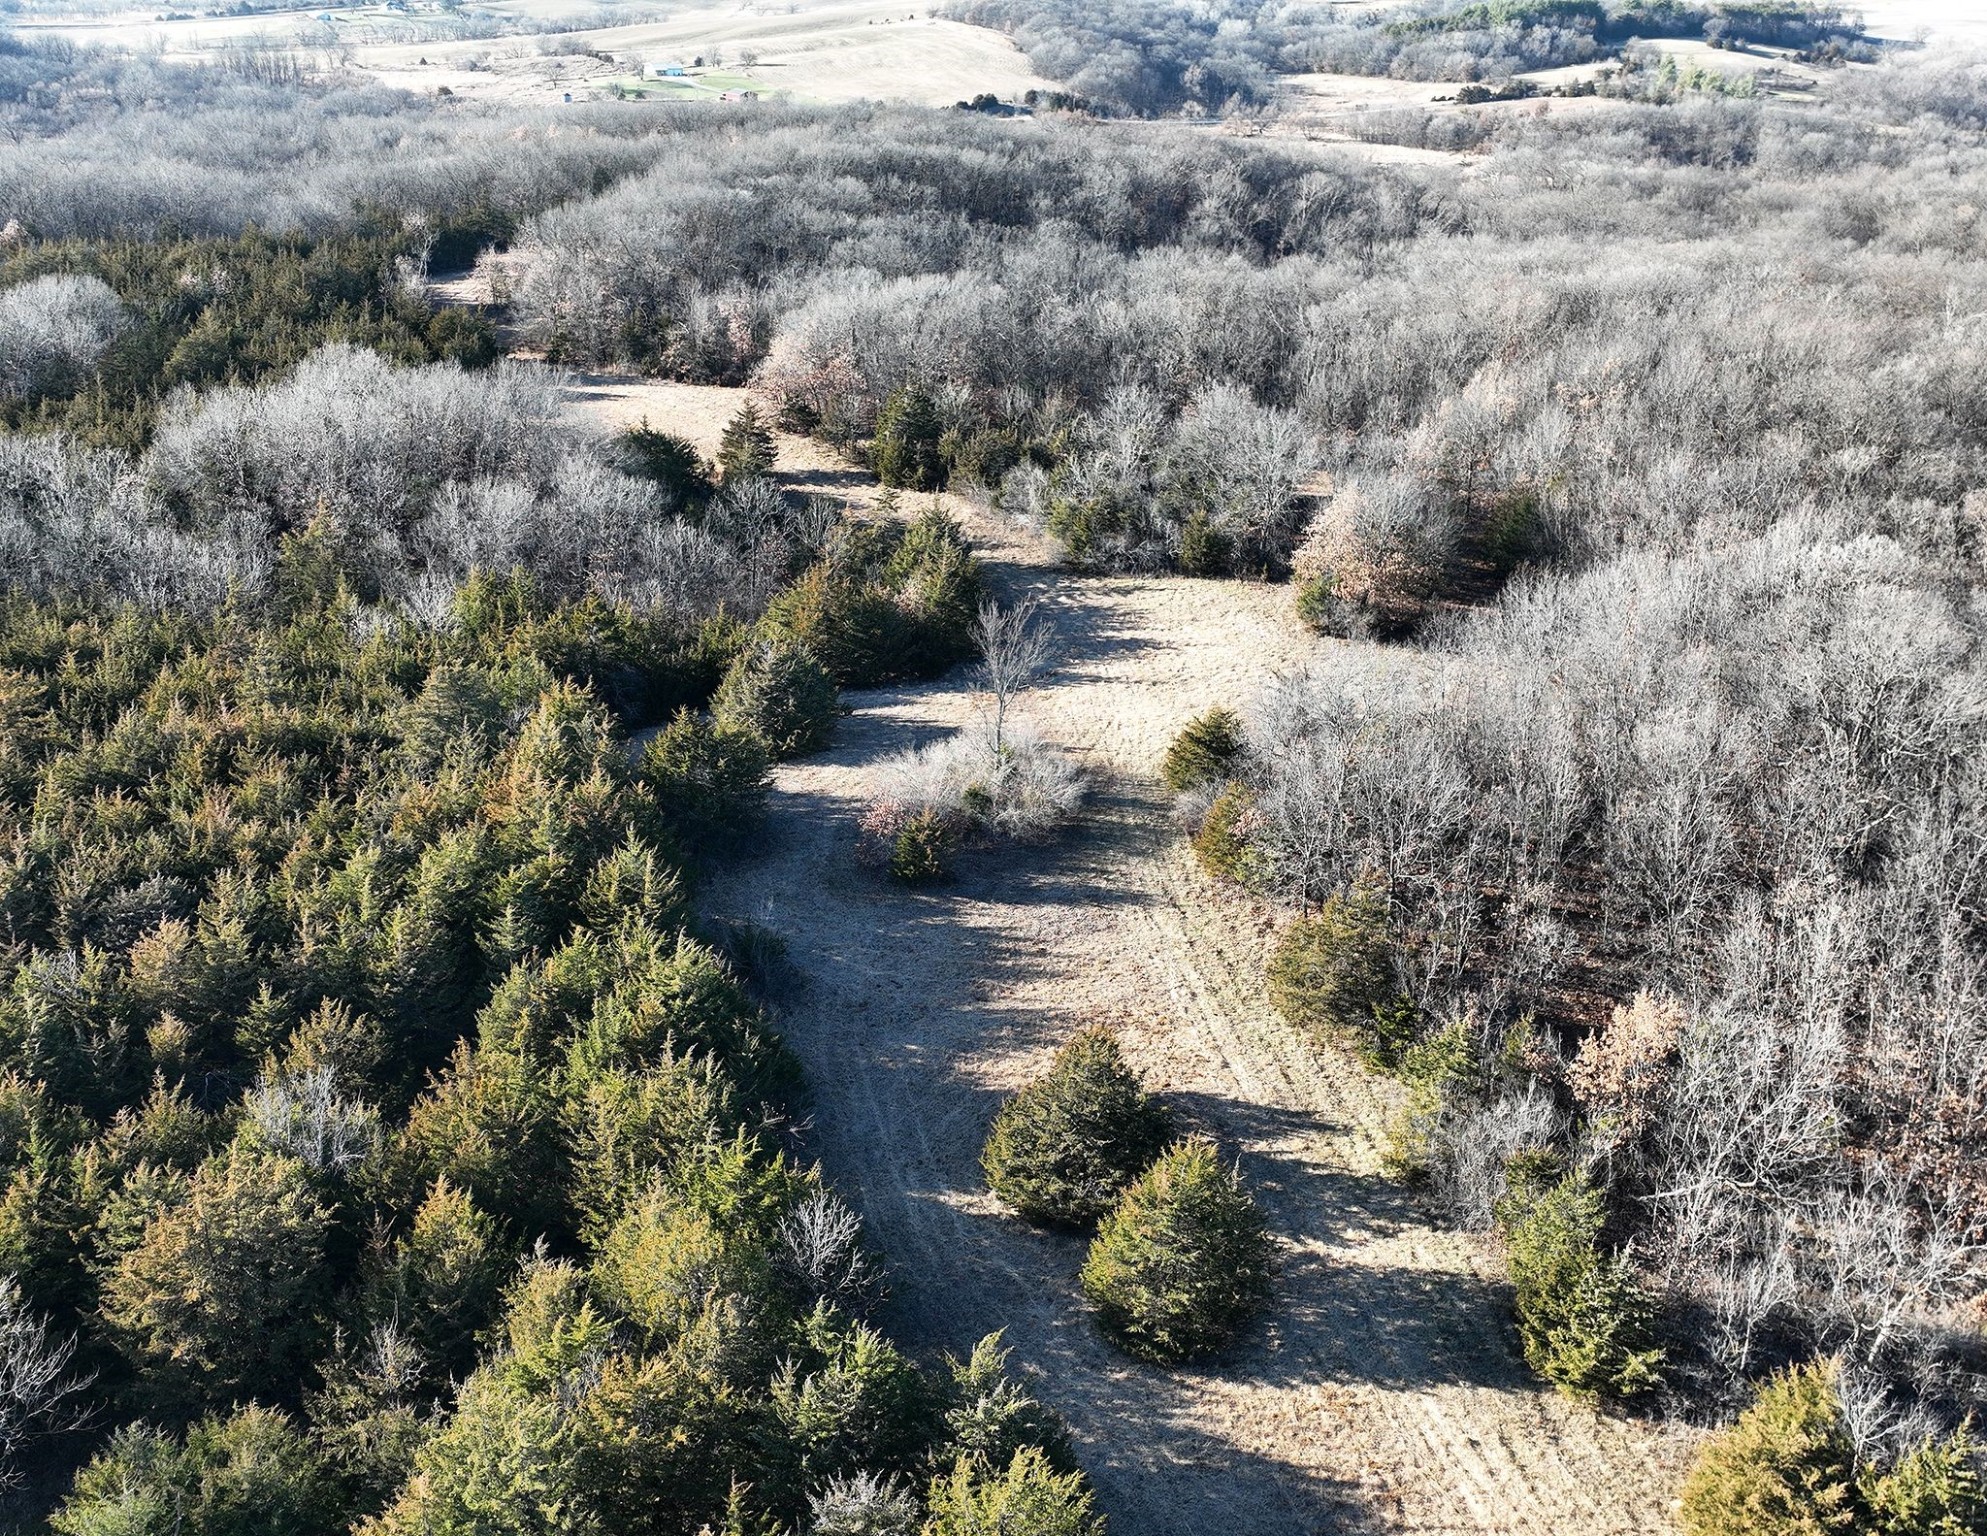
{"x":373,"y":1411}
{"x":1028,"y":1498}
{"x":222,"y":1295}
{"x":710,"y":782}
{"x":1583,"y":1321}
{"x":780,"y":693}
{"x":989,"y":1416}
{"x":487,"y":1126}
{"x":1205,"y":751}
{"x":1184,"y":1260}
{"x":673,"y":464}
{"x":248,"y":1474}
{"x":847,"y":1401}
{"x":746,"y":450}
{"x":1066,"y":1147}
{"x":1333,"y":973}
{"x":906,"y":451}
{"x":1934,"y":1490}
{"x":441,"y":1279}
{"x":1221,"y":842}
{"x":1785,"y":1469}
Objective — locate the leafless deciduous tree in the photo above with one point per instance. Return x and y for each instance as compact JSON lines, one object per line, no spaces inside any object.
{"x":53,"y":330}
{"x":38,"y":1392}
{"x":821,"y":1250}
{"x":303,"y":1114}
{"x":1706,"y":782}
{"x":1015,"y":648}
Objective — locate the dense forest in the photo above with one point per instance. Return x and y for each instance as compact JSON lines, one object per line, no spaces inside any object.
{"x":387,"y":1143}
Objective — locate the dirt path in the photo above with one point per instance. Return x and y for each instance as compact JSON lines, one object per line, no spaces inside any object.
{"x":1383,"y":1392}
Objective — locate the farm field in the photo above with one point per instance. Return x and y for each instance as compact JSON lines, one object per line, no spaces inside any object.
{"x":827,"y":50}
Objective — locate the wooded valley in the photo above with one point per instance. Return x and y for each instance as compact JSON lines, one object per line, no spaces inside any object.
{"x":1182,"y":784}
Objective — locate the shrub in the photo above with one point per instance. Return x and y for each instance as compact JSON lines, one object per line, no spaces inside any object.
{"x":1204,"y":752}
{"x":780,"y":693}
{"x":709,"y":781}
{"x":1030,"y":1498}
{"x":1065,"y":1148}
{"x":1222,"y":843}
{"x":918,"y":852}
{"x":54,"y":330}
{"x":906,"y":451}
{"x":1333,"y":973}
{"x":1786,"y":1468}
{"x":1023,"y":789}
{"x":1623,"y":1074}
{"x":1581,"y":1317}
{"x":1183,"y":1261}
{"x":1371,"y":561}
{"x":862,"y":1505}
{"x":1438,"y":1072}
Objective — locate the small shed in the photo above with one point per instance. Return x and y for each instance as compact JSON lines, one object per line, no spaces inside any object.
{"x":738,"y":95}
